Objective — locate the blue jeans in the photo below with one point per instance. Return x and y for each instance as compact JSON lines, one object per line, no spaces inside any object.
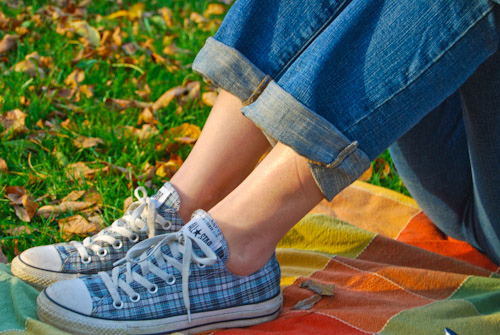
{"x":340,"y":81}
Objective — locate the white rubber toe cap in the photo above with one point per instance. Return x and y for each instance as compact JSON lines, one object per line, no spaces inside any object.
{"x":45,"y":257}
{"x":71,"y":294}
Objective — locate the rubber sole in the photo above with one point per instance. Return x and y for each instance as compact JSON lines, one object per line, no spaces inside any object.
{"x":242,"y":316}
{"x":37,"y":278}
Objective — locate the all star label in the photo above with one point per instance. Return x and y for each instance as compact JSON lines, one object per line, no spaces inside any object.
{"x":202,"y":230}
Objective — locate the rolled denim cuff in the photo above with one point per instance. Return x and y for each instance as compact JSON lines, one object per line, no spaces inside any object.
{"x":228,"y":69}
{"x":334,"y":160}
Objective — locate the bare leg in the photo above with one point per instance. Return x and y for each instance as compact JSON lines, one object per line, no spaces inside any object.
{"x":228,"y":149}
{"x":259,"y":212}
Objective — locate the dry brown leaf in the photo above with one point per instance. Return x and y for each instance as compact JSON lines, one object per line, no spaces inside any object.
{"x":127,"y":203}
{"x":144,"y":133}
{"x":168,"y":169}
{"x":74,"y":79}
{"x":8,"y":42}
{"x":88,"y":32}
{"x":135,"y":12}
{"x":307,"y":303}
{"x":97,"y":221}
{"x":117,"y":37}
{"x":18,"y":230}
{"x":197,"y":18}
{"x":29,"y":67}
{"x":186,"y":133}
{"x":64,"y":207}
{"x":168,"y":96}
{"x":209,"y":98}
{"x":171,"y":50}
{"x":382,"y":167}
{"x":124,"y":104}
{"x":3,"y":258}
{"x":73,"y":196}
{"x":93,"y":196}
{"x":87,"y":142}
{"x":147,"y":116}
{"x":214,"y":9}
{"x":167,"y":15}
{"x":193,"y":88}
{"x":367,"y":175}
{"x":3,"y":166}
{"x":76,"y":224}
{"x":117,"y":14}
{"x":24,"y":206}
{"x":13,"y":122}
{"x":87,"y":90}
{"x":78,"y":170}
{"x":319,"y":288}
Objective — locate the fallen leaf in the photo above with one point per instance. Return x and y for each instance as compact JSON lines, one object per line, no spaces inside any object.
{"x":97,"y":221}
{"x":167,"y":15}
{"x":8,"y":42}
{"x":167,"y":97}
{"x":127,"y":203}
{"x":144,"y":133}
{"x":168,"y":169}
{"x":87,"y":142}
{"x":197,"y":18}
{"x":73,"y":196}
{"x":93,"y":197}
{"x":3,"y":258}
{"x":124,"y":104}
{"x":307,"y":303}
{"x":193,"y":88}
{"x":135,"y":12}
{"x":147,"y":116}
{"x":317,"y":287}
{"x":214,"y":9}
{"x":74,"y":79}
{"x":171,"y":50}
{"x":87,"y":90}
{"x":18,"y":230}
{"x":76,"y":224}
{"x":64,"y":207}
{"x":78,"y":170}
{"x":3,"y":166}
{"x":382,"y":167}
{"x":24,"y":206}
{"x":29,"y":67}
{"x":367,"y":175}
{"x":117,"y":14}
{"x":85,"y":30}
{"x":117,"y":37}
{"x":186,"y":133}
{"x":209,"y":98}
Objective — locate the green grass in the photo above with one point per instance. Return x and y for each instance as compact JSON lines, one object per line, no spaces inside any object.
{"x":37,"y":159}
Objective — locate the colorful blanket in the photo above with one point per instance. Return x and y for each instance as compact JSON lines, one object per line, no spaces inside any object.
{"x":393,"y":272}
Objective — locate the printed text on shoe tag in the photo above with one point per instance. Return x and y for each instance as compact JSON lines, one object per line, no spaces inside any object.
{"x":200,"y":229}
{"x":161,"y":196}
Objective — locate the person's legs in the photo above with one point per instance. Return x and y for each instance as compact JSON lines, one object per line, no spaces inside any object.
{"x":229,"y":147}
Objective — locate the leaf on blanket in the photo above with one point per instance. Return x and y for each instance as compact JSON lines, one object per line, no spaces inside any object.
{"x":3,"y":258}
{"x":307,"y":303}
{"x":319,"y":288}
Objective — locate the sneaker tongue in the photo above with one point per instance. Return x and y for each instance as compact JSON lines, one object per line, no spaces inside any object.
{"x":202,"y":227}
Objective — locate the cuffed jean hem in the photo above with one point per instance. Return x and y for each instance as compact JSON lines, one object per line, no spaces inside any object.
{"x":228,"y":69}
{"x":334,"y":160}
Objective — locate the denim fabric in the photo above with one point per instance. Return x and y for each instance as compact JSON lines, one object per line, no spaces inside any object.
{"x":340,"y":81}
{"x":450,"y":161}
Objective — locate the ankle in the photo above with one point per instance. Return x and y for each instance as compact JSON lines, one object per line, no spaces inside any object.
{"x":193,"y":199}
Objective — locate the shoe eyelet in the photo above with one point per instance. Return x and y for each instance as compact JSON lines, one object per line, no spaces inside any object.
{"x":135,"y":298}
{"x":117,"y":244}
{"x":153,"y":289}
{"x":118,"y":304}
{"x":102,"y":252}
{"x":171,"y":280}
{"x":133,"y":238}
{"x":166,"y":225}
{"x":201,"y":266}
{"x":86,"y":260}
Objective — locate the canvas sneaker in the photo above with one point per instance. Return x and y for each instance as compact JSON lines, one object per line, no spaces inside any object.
{"x":172,"y":283}
{"x":146,"y":217}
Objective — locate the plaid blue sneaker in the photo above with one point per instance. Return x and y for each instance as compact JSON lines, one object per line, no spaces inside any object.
{"x":44,"y":265}
{"x":175,"y":282}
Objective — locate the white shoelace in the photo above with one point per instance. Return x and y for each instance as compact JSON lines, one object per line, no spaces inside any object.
{"x":140,"y":217}
{"x":179,"y":243}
